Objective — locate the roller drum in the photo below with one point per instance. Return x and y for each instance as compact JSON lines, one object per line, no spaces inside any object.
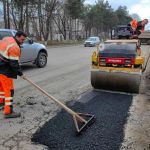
{"x":116,"y":81}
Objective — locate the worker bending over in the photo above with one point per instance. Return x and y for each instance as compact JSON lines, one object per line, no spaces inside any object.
{"x":136,"y":27}
{"x":9,"y":69}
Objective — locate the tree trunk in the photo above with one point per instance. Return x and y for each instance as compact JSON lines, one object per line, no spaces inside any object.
{"x":13,"y":16}
{"x":40,"y":18}
{"x":21,"y":24}
{"x":8,"y":17}
{"x":5,"y":13}
{"x":27,"y":18}
{"x":70,"y":28}
{"x":51,"y":30}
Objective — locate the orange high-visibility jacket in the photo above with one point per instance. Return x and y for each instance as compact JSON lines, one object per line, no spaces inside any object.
{"x":135,"y":25}
{"x":9,"y":57}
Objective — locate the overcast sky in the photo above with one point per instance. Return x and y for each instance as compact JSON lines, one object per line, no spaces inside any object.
{"x":141,"y":7}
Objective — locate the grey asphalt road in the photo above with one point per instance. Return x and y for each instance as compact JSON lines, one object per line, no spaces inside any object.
{"x":107,"y":133}
{"x":67,"y":77}
{"x":67,"y":68}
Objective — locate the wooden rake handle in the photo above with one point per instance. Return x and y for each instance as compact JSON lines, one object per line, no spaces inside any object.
{"x":55,"y":100}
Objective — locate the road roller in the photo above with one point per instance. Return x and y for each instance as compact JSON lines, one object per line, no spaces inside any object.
{"x":117,"y":66}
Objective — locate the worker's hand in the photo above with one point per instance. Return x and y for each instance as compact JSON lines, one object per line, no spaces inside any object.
{"x":23,"y":77}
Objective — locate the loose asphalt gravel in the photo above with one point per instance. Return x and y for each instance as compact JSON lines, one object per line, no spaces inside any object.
{"x":111,"y":112}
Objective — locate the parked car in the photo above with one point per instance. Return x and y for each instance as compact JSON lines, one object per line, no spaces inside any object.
{"x":31,"y":51}
{"x":92,"y":41}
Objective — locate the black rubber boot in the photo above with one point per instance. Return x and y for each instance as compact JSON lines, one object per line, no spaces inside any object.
{"x":13,"y":115}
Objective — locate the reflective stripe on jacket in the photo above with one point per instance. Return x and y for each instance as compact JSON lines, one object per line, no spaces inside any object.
{"x":9,"y":57}
{"x":9,"y":48}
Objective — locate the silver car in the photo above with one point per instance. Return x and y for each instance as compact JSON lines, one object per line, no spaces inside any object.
{"x":92,"y":41}
{"x":33,"y":52}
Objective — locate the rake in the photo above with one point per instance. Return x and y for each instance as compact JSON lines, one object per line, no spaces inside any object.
{"x":81,"y":121}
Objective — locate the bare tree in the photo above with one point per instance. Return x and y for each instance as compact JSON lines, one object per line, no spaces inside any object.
{"x":44,"y":18}
{"x":6,"y":16}
{"x":61,"y":20}
{"x":45,"y":13}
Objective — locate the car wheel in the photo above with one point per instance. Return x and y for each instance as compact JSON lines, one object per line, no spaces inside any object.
{"x":41,"y":60}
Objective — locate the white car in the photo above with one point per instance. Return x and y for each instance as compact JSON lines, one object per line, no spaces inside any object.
{"x":33,"y":52}
{"x":92,"y":41}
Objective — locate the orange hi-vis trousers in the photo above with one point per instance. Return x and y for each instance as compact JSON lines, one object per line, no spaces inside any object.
{"x":6,"y":93}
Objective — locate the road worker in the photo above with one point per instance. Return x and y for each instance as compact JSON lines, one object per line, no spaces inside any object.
{"x":9,"y":69}
{"x":136,"y":27}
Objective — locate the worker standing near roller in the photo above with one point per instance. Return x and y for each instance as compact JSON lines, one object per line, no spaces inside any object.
{"x":9,"y":69}
{"x":136,"y":27}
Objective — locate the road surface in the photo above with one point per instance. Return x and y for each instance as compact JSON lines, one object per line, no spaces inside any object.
{"x":67,"y":77}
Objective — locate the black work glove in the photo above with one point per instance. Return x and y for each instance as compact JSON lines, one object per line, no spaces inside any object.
{"x":15,"y":67}
{"x":20,"y":73}
{"x":23,"y":77}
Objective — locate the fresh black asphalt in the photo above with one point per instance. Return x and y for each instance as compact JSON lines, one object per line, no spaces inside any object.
{"x":111,"y":112}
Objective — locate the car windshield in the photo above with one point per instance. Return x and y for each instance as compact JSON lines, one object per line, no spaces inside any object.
{"x":4,"y":34}
{"x":91,"y":39}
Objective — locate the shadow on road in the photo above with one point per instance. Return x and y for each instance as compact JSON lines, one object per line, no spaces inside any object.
{"x":111,"y":112}
{"x":28,"y":67}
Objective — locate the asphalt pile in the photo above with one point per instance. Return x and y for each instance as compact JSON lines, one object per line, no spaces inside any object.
{"x":111,"y":112}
